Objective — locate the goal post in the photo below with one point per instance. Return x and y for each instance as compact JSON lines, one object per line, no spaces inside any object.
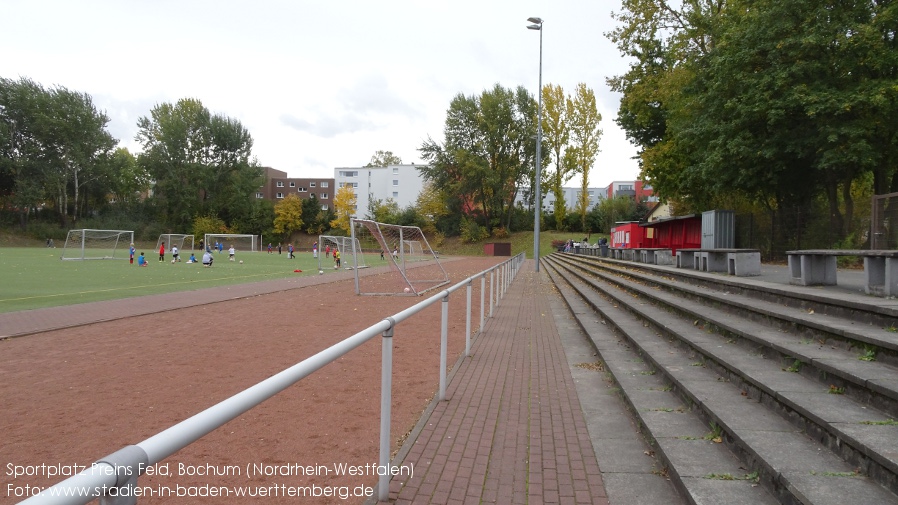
{"x":240,"y":241}
{"x":184,"y":241}
{"x":414,"y":267}
{"x":88,"y":244}
{"x":352,"y":255}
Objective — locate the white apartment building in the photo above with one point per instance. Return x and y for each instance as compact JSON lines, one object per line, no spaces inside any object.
{"x":401,"y":183}
{"x":571,"y":196}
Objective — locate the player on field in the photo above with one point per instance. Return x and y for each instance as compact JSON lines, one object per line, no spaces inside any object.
{"x":162,"y":252}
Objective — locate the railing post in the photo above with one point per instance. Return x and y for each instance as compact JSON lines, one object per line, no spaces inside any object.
{"x":482,"y":299}
{"x":504,"y":282}
{"x":386,"y":401}
{"x":498,"y":286}
{"x":444,"y":343}
{"x":492,"y":284}
{"x":468,"y":321}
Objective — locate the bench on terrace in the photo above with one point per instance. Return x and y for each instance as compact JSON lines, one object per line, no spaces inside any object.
{"x":817,"y":267}
{"x":654,"y":255}
{"x":738,"y":262}
{"x":622,"y":253}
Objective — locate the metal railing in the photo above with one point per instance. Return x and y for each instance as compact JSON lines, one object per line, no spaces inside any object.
{"x":110,"y":478}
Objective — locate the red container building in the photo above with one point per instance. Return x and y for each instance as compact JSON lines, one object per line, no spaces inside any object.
{"x":683,"y":232}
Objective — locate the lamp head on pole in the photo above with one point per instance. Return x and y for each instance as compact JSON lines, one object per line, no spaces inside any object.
{"x":537,"y":23}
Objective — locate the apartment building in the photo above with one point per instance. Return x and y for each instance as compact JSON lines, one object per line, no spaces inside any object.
{"x":277,"y":186}
{"x":401,"y":183}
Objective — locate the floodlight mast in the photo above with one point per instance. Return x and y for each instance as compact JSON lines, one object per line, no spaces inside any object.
{"x":538,"y":26}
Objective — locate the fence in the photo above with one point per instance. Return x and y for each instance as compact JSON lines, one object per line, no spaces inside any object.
{"x":885,"y":217}
{"x":119,"y":471}
{"x":808,"y":226}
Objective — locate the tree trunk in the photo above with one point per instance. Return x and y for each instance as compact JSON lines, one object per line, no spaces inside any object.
{"x":75,"y":210}
{"x":849,"y":208}
{"x":836,"y":223}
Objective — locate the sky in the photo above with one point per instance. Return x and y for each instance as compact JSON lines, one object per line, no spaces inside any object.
{"x":319,"y":85}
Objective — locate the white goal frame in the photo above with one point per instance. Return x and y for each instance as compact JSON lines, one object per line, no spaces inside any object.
{"x":255,"y":241}
{"x":91,"y":244}
{"x":415,"y":267}
{"x":178,"y":239}
{"x":351,"y":254}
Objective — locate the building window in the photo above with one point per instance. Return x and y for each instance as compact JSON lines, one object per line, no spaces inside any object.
{"x":626,"y":187}
{"x":280,"y":195}
{"x":324,"y":184}
{"x":324,"y":196}
{"x":395,"y":194}
{"x":395,"y":170}
{"x":324,"y":207}
{"x":300,"y":189}
{"x":349,"y":173}
{"x":280,"y":184}
{"x":292,"y":184}
{"x":311,"y":184}
{"x":395,"y":182}
{"x":259,"y":195}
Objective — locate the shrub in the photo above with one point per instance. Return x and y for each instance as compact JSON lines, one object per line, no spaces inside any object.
{"x":500,"y":232}
{"x":472,"y":232}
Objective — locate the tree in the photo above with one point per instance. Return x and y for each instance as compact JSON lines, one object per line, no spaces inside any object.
{"x":54,"y":147}
{"x":431,"y":206}
{"x":486,"y":155}
{"x":128,"y":180}
{"x":665,"y":41}
{"x":584,"y":118}
{"x":345,"y":207}
{"x":556,"y":135}
{"x":383,"y":211}
{"x":202,"y":163}
{"x":288,"y":215}
{"x":383,"y":159}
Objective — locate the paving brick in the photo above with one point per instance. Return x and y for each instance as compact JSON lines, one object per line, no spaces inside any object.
{"x":517,"y":432}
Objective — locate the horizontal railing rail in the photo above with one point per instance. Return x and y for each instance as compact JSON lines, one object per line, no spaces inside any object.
{"x":111,"y":477}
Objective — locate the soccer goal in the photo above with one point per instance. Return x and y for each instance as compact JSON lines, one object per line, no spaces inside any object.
{"x":240,"y":242}
{"x":414,"y":267}
{"x":87,"y":244}
{"x":351,"y":253}
{"x":183,"y":241}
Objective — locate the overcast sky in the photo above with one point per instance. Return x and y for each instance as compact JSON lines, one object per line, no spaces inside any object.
{"x":321,"y":84}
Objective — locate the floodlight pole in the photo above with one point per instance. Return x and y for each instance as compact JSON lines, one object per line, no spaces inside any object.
{"x":538,"y":26}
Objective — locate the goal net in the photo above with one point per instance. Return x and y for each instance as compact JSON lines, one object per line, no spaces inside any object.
{"x":183,"y":241}
{"x":97,"y":244}
{"x":351,"y":253}
{"x":241,"y":243}
{"x":414,"y":268}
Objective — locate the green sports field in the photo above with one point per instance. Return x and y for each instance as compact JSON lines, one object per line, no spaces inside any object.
{"x":32,"y":278}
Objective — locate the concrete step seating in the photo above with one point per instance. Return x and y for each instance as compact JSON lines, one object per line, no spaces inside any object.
{"x":745,"y":400}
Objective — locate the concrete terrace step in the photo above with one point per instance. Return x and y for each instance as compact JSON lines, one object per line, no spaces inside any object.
{"x":861,"y":434}
{"x":853,"y":332}
{"x":846,"y":301}
{"x":698,"y":468}
{"x":766,"y":324}
{"x":697,"y":393}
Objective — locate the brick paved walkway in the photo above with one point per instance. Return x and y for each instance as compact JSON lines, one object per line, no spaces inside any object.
{"x":511,"y":430}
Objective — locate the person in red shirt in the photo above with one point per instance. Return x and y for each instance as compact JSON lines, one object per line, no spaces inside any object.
{"x":162,"y":252}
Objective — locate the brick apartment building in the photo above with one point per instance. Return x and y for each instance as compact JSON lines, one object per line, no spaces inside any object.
{"x":277,"y":186}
